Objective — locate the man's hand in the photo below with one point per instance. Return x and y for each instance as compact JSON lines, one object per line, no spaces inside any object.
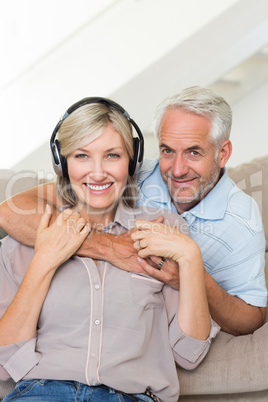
{"x":124,"y":254}
{"x":169,"y":272}
{"x":118,"y":250}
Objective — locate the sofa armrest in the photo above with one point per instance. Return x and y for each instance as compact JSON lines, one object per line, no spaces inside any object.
{"x":233,"y":365}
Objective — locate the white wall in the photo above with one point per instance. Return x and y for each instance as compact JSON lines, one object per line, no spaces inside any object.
{"x":250,"y":126}
{"x":249,"y":133}
{"x":137,"y":52}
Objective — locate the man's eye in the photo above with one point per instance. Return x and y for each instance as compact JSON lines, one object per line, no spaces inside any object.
{"x":194,"y":154}
{"x":166,"y":151}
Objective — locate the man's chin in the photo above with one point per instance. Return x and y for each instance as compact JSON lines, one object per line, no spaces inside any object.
{"x":183,"y":198}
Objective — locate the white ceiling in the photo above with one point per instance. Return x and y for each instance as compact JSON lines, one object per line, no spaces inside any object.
{"x":134,"y":51}
{"x":30,"y":30}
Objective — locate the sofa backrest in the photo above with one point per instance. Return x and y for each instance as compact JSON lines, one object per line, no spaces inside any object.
{"x":12,"y":183}
{"x":252,"y":178}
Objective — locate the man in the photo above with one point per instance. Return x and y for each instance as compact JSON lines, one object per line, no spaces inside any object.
{"x":193,"y":130}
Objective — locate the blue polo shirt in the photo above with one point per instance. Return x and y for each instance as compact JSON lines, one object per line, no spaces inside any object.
{"x":228,"y":228}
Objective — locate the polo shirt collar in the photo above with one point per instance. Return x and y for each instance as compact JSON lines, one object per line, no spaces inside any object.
{"x":213,"y":206}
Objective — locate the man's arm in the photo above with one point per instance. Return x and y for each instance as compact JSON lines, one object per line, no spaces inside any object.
{"x":233,"y":314}
{"x":21,"y":215}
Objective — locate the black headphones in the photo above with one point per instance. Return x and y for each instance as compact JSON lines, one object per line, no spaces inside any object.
{"x":60,"y":162}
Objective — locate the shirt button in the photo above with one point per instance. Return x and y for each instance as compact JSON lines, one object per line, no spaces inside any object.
{"x":97,"y":287}
{"x":97,"y":322}
{"x":93,"y":355}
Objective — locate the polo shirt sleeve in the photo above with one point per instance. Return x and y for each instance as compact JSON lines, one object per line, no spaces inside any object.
{"x":242,"y":272}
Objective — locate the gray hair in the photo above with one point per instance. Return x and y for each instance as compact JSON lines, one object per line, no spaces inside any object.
{"x":83,"y":126}
{"x":200,"y":101}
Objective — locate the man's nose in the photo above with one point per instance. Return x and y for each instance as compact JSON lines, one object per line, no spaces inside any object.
{"x":180,"y":166}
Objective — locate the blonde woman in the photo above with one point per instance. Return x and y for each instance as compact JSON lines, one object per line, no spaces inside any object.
{"x":74,"y":328}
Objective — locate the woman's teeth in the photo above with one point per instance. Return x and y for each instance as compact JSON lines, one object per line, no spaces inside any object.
{"x":98,"y":188}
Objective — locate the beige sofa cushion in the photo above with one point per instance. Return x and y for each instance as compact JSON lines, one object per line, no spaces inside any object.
{"x":12,"y":182}
{"x":233,"y":365}
{"x":252,"y":177}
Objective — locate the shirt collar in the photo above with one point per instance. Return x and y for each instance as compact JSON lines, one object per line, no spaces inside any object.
{"x":125,"y":216}
{"x":213,"y":206}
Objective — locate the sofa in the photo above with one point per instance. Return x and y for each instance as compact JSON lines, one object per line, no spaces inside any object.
{"x":236,"y":367}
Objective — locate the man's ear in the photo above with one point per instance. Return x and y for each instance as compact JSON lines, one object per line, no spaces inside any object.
{"x":224,"y":153}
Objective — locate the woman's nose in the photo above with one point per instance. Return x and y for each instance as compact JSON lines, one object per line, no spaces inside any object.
{"x":97,"y":171}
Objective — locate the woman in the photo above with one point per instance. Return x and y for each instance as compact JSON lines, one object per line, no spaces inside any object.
{"x":77,"y":329}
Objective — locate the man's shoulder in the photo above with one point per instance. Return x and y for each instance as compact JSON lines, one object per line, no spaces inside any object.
{"x":14,"y":248}
{"x":150,"y":167}
{"x":170,"y":218}
{"x":239,"y":210}
{"x":237,"y":196}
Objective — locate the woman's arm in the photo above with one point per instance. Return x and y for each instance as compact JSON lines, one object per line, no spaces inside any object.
{"x":157,"y":239}
{"x":54,"y":245}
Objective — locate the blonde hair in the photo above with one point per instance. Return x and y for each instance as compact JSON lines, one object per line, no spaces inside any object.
{"x":83,"y":126}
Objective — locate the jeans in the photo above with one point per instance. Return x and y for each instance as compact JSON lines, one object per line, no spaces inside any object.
{"x":68,"y":391}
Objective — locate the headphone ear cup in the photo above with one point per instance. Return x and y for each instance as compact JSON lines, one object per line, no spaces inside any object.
{"x":59,"y":161}
{"x":64,"y":166}
{"x":133,"y":163}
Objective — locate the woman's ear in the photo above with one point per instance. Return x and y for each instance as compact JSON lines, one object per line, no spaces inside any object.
{"x":224,"y":153}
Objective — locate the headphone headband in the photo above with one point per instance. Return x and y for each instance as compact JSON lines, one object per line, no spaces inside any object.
{"x":59,"y":161}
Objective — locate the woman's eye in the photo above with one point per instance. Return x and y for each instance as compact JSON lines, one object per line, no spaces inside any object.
{"x":80,"y":156}
{"x":113,"y":156}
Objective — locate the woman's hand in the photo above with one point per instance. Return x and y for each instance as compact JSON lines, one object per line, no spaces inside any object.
{"x":58,"y":242}
{"x":156,"y":239}
{"x":54,"y":245}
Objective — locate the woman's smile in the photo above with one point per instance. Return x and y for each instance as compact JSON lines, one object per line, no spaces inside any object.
{"x":98,"y":187}
{"x":98,"y":172}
